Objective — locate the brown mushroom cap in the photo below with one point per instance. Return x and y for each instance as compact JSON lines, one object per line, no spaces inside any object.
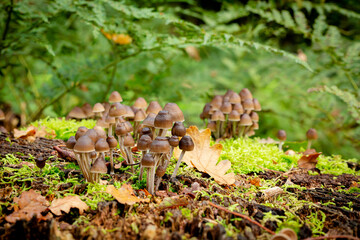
{"x":77,"y":113}
{"x":149,"y":120}
{"x":146,"y":131}
{"x":100,"y":132}
{"x":80,"y":132}
{"x":178,"y":129}
{"x":311,"y":134}
{"x":254,"y":117}
{"x":121,"y":129}
{"x":129,"y":141}
{"x":255,"y":126}
{"x":93,"y":155}
{"x":111,"y":140}
{"x":102,"y":123}
{"x":117,"y":110}
{"x":115,"y":97}
{"x":144,"y":143}
{"x":174,"y":141}
{"x":175,"y":112}
{"x":140,"y":115}
{"x":154,"y":107}
{"x":2,"y":115}
{"x":98,"y":108}
{"x":186,"y":143}
{"x":217,"y":116}
{"x":245,"y":94}
{"x":86,"y":107}
{"x":226,"y":107}
{"x":99,"y":166}
{"x":216,"y":102}
{"x":281,"y":135}
{"x":129,"y":126}
{"x":71,"y":142}
{"x":235,"y":98}
{"x":110,"y":120}
{"x":160,"y":145}
{"x":257,"y":106}
{"x":248,"y":105}
{"x":129,"y":113}
{"x":102,"y":145}
{"x":163,"y":120}
{"x":160,"y":171}
{"x":84,"y":145}
{"x":238,"y":107}
{"x":148,"y":160}
{"x":206,"y":111}
{"x":290,"y":233}
{"x":228,"y":93}
{"x":91,"y":133}
{"x":212,"y":126}
{"x":140,"y":103}
{"x":245,"y":120}
{"x":234,"y":116}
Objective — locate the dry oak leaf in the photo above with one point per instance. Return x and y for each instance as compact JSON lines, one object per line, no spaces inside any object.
{"x":66,"y":203}
{"x":205,"y":157}
{"x":125,"y":195}
{"x":29,"y":203}
{"x":32,"y":132}
{"x":309,"y":159}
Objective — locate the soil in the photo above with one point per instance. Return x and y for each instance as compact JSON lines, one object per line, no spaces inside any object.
{"x":322,"y":193}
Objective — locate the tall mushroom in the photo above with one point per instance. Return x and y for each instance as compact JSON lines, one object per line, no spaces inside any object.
{"x":311,"y":135}
{"x":140,"y":116}
{"x":163,"y":121}
{"x":84,"y":145}
{"x":128,"y":144}
{"x":245,"y":121}
{"x":101,"y":147}
{"x":234,"y":118}
{"x":185,"y":144}
{"x":143,"y":145}
{"x":148,"y":162}
{"x":281,"y":135}
{"x":112,"y":145}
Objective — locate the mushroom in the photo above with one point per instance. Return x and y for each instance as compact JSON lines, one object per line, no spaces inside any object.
{"x":225,"y":109}
{"x":98,"y":109}
{"x":212,"y":126}
{"x":234,"y":119}
{"x":40,"y":163}
{"x":143,"y":145}
{"x":160,"y":172}
{"x":245,"y":121}
{"x":216,"y":102}
{"x":257,"y":106}
{"x":146,"y":131}
{"x":88,"y":110}
{"x":112,"y":145}
{"x":101,"y":147}
{"x":149,"y":122}
{"x":115,"y":97}
{"x":80,"y":132}
{"x":185,"y":144}
{"x":178,"y":129}
{"x":148,"y":162}
{"x":311,"y":135}
{"x":2,"y":115}
{"x":84,"y":145}
{"x":206,"y":111}
{"x":245,"y":94}
{"x":154,"y":107}
{"x":128,"y":144}
{"x":281,"y":135}
{"x":174,"y":111}
{"x":76,"y":113}
{"x":248,"y":105}
{"x":163,"y":121}
{"x":217,"y":116}
{"x":140,"y":103}
{"x":140,"y":116}
{"x":116,"y":110}
{"x":238,"y":107}
{"x":99,"y":167}
{"x":121,"y":130}
{"x":290,"y":233}
{"x":111,"y":121}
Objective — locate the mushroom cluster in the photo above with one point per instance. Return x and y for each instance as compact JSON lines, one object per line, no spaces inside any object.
{"x":232,"y":115}
{"x":144,"y":126}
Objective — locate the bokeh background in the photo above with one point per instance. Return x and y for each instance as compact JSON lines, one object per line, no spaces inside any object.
{"x":301,"y":59}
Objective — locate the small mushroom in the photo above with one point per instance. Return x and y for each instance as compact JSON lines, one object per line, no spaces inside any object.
{"x":174,"y":111}
{"x":84,"y":145}
{"x":163,"y":121}
{"x":311,"y":135}
{"x":99,"y":167}
{"x":40,"y":163}
{"x":281,"y":135}
{"x":140,"y":103}
{"x":178,"y":129}
{"x":128,"y":144}
{"x":112,"y":145}
{"x":148,"y":162}
{"x":140,"y":116}
{"x":115,"y":97}
{"x":98,"y":109}
{"x":245,"y":94}
{"x":154,"y":107}
{"x":160,"y":172}
{"x":234,"y":119}
{"x":185,"y":144}
{"x":217,"y":117}
{"x":143,"y":145}
{"x":245,"y":122}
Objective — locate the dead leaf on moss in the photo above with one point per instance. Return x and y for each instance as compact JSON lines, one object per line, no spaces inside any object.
{"x":29,"y":203}
{"x":66,"y":203}
{"x":125,"y":194}
{"x":32,"y":132}
{"x":309,"y":159}
{"x":205,"y":157}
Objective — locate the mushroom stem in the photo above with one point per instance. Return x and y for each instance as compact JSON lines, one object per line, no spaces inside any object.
{"x":111,"y":162}
{"x":221,"y":129}
{"x":217,"y":129}
{"x":136,"y":126}
{"x":158,"y":183}
{"x":233,"y":131}
{"x":309,"y":144}
{"x":150,"y":179}
{"x":129,"y":157}
{"x":110,"y":129}
{"x":178,"y":164}
{"x":141,"y":172}
{"x":162,"y":132}
{"x":242,"y":130}
{"x":280,"y":145}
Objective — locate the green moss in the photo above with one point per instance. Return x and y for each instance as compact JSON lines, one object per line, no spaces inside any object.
{"x":64,"y":128}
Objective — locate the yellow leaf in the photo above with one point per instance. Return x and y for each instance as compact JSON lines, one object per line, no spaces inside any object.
{"x":66,"y":203}
{"x":205,"y":157}
{"x":125,"y":194}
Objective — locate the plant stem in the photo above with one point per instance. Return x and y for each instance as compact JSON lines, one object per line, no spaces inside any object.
{"x":178,"y":164}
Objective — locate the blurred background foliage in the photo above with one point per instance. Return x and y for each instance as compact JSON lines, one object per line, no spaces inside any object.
{"x":301,"y":59}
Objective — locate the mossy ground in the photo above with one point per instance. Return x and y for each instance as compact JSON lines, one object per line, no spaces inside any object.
{"x":308,"y":201}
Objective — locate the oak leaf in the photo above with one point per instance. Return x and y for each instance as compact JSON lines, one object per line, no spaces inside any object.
{"x":29,"y":203}
{"x":125,"y":195}
{"x":205,"y":157}
{"x":66,"y":203}
{"x":309,"y":159}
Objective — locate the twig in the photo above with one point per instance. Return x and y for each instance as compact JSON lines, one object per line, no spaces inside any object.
{"x":333,"y":236}
{"x":242,"y":216}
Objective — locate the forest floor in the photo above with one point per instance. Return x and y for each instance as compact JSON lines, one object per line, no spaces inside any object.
{"x":192,"y":206}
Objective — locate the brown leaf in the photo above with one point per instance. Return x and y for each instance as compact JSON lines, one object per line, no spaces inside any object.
{"x":256,"y":182}
{"x":66,"y":203}
{"x":205,"y":157}
{"x":125,"y":194}
{"x":29,"y":203}
{"x":64,"y":154}
{"x":173,"y":202}
{"x":32,"y":132}
{"x":309,"y":159}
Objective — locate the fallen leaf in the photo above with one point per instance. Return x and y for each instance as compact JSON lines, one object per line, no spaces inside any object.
{"x":309,"y":159}
{"x":29,"y":203}
{"x":32,"y":132}
{"x":125,"y":194}
{"x":25,"y":134}
{"x":66,"y":203}
{"x":205,"y":157}
{"x":256,"y":182}
{"x":173,"y":202}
